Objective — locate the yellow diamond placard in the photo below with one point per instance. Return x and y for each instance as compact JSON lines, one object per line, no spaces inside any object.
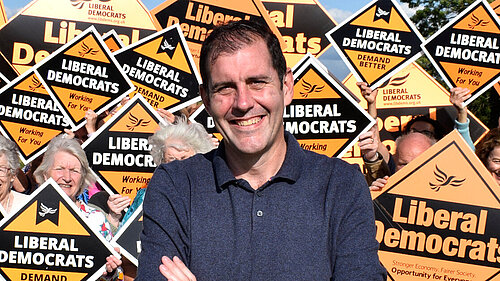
{"x":377,"y":41}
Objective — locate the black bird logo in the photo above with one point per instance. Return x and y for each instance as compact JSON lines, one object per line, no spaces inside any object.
{"x":444,"y":180}
{"x":136,"y":122}
{"x":86,"y":50}
{"x":310,"y":88}
{"x":477,"y":22}
{"x":36,"y":84}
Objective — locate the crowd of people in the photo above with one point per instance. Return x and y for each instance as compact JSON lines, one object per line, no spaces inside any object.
{"x":254,"y":167}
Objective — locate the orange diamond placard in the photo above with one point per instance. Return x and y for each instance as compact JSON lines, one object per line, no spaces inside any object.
{"x":437,"y":218}
{"x":29,"y":116}
{"x":162,"y":69}
{"x":465,"y":51}
{"x":323,"y":116}
{"x":83,"y":75}
{"x":118,"y":152}
{"x":50,"y":239}
{"x":377,"y":41}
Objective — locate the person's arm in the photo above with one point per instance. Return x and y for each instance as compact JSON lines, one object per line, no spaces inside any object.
{"x":457,"y":97}
{"x":165,"y":226}
{"x":116,"y":203}
{"x":355,"y":249}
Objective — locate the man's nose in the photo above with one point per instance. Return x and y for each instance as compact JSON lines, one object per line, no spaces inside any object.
{"x":243,"y":100}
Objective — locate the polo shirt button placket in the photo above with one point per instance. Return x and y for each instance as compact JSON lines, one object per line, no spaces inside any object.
{"x":260,"y":213}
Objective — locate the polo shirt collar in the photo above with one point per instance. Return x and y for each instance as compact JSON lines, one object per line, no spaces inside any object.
{"x":290,"y":169}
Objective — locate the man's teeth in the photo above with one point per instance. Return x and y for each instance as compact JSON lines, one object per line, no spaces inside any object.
{"x":248,"y":122}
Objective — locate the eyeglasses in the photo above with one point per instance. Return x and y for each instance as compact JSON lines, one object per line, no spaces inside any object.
{"x":425,"y":132}
{"x":4,"y":171}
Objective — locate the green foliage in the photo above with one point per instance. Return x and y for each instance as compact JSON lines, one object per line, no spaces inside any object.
{"x":429,"y":18}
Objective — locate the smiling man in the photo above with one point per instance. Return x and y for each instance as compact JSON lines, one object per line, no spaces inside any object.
{"x":259,"y":207}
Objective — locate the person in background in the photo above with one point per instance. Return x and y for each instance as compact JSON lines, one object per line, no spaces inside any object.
{"x":66,"y":163}
{"x":10,"y":199}
{"x":488,"y":151}
{"x":408,"y":147}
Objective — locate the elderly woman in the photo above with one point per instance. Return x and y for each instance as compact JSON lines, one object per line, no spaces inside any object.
{"x":10,"y":200}
{"x":488,"y":150}
{"x":175,"y":141}
{"x":66,"y":163}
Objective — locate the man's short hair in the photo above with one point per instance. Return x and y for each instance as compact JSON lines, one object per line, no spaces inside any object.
{"x":233,"y":36}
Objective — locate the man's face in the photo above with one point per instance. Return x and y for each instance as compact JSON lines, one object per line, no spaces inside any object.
{"x":246,"y":99}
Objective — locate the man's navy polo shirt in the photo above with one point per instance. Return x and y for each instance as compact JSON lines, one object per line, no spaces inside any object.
{"x":312,"y":221}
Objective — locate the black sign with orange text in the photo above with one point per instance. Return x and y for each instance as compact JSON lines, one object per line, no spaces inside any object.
{"x":323,"y":116}
{"x":377,"y":41}
{"x":466,"y":50}
{"x":197,"y":18}
{"x":430,"y":227}
{"x":303,"y":25}
{"x":118,"y":152}
{"x":83,"y":75}
{"x":50,"y":239}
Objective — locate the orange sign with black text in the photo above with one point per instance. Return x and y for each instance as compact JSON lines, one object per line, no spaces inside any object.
{"x":198,"y":18}
{"x":83,"y":75}
{"x":437,"y":218}
{"x":323,"y":116}
{"x":496,"y":7}
{"x":409,"y":93}
{"x":377,"y":41}
{"x":465,"y":51}
{"x":49,"y":238}
{"x":162,"y":69}
{"x":303,"y":25}
{"x":29,"y":116}
{"x":45,"y":25}
{"x":118,"y":152}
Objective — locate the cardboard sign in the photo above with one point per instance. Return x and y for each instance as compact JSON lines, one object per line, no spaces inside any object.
{"x":465,"y":51}
{"x":428,"y":224}
{"x":128,"y":237}
{"x":377,"y":41}
{"x":3,"y":80}
{"x":201,"y":116}
{"x":198,"y":18}
{"x":496,"y":7}
{"x":45,"y":25}
{"x":83,"y":75}
{"x":411,"y":92}
{"x":113,"y":41}
{"x":3,"y":212}
{"x":28,"y":115}
{"x":323,"y":116}
{"x":303,"y":25}
{"x":118,"y":152}
{"x":7,"y":69}
{"x":162,"y":69}
{"x":50,"y":239}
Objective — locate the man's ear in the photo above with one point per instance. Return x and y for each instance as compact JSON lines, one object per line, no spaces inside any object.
{"x":288,"y":86}
{"x":205,"y":98}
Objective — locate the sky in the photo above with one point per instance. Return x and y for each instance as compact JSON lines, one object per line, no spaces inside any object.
{"x":338,"y":9}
